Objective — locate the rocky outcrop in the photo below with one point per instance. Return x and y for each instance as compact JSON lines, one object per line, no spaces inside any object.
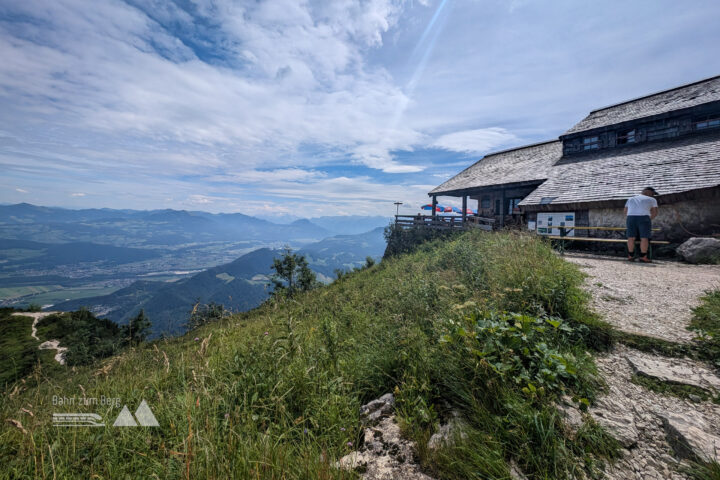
{"x":616,"y":416}
{"x":571,"y":415}
{"x":673,"y":370}
{"x":700,"y":250}
{"x":690,"y":438}
{"x":385,"y":454}
{"x":378,"y":408}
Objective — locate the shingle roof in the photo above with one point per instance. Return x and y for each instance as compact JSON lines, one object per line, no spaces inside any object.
{"x":670,"y":167}
{"x":684,"y":96}
{"x":523,"y":164}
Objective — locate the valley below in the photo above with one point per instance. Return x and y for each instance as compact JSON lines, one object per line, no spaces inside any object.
{"x":116,"y":262}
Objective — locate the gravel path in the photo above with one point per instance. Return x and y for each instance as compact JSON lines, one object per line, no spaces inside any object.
{"x":649,"y":299}
{"x":631,"y":411}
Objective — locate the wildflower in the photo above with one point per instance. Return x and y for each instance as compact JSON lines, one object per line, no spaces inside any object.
{"x":267,"y":333}
{"x":349,"y":444}
{"x":197,"y":339}
{"x":305,"y":431}
{"x":342,"y":429}
{"x":227,"y":415}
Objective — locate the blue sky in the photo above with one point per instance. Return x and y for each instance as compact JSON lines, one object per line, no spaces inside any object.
{"x":293,"y":107}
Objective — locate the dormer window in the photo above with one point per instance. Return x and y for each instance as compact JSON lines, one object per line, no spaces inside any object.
{"x":626,"y":136}
{"x":662,"y":132}
{"x":591,"y":143}
{"x":710,"y":121}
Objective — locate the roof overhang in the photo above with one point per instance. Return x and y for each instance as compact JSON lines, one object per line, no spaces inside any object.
{"x":485,"y":188}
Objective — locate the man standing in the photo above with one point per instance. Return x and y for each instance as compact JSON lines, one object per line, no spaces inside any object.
{"x":640,"y":210}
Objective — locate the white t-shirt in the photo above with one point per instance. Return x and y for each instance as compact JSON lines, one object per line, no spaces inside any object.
{"x":640,"y":205}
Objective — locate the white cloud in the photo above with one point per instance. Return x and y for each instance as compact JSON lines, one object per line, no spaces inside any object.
{"x":20,"y":190}
{"x":301,"y":78}
{"x":78,"y":194}
{"x":475,"y":141}
{"x":199,"y":200}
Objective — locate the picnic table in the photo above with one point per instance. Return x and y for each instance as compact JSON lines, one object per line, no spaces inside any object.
{"x":563,"y":237}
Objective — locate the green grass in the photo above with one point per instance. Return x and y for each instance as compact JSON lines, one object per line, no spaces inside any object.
{"x":705,"y":471}
{"x":678,"y":390}
{"x":494,"y":326}
{"x":657,"y":346}
{"x":19,"y":352}
{"x":706,"y":321}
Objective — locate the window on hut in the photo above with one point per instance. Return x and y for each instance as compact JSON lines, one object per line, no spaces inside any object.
{"x":708,"y":121}
{"x":514,"y":206}
{"x":662,"y":132}
{"x":485,"y":202}
{"x":591,"y":143}
{"x":626,"y":136}
{"x":498,"y":210}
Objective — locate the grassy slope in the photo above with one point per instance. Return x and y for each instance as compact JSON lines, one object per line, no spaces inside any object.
{"x":18,"y":350}
{"x":274,"y":393}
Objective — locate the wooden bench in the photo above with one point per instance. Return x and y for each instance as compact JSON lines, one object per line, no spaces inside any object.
{"x":565,"y":230}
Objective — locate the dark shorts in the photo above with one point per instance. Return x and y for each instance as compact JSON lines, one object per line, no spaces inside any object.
{"x":638,"y":226}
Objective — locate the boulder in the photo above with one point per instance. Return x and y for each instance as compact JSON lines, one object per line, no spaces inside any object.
{"x":700,"y":250}
{"x":690,"y":437}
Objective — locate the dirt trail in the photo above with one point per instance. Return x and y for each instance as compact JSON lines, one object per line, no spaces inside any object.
{"x":648,"y":299}
{"x":659,"y":431}
{"x":50,"y":344}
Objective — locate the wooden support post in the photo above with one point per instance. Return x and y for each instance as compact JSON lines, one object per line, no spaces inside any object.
{"x":464,"y":209}
{"x":503,"y":206}
{"x":434,"y":206}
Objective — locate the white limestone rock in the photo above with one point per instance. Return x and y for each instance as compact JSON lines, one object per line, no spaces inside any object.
{"x":690,"y":437}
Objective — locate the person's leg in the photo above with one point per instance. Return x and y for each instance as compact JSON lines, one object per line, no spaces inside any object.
{"x":631,"y":225}
{"x":645,"y":229}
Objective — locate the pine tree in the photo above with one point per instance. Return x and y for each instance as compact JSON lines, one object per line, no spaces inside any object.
{"x":292,"y":274}
{"x":137,"y":329}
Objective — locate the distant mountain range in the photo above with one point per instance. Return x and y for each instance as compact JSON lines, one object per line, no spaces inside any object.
{"x":133,"y":228}
{"x":146,"y":258}
{"x":239,"y":285}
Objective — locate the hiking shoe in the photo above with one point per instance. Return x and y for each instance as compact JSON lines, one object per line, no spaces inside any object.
{"x":645,"y":259}
{"x":631,"y":258}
